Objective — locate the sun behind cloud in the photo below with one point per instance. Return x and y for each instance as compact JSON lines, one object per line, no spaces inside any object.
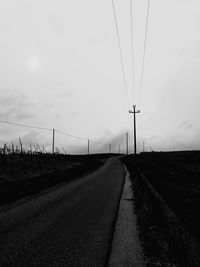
{"x":34,"y":64}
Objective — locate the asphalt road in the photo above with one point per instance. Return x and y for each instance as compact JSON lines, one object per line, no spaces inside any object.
{"x":70,"y":226}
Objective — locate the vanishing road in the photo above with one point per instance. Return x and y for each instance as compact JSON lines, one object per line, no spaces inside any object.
{"x":70,"y":226}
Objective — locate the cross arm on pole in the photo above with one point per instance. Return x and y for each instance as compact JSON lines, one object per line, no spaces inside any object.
{"x":134,"y":117}
{"x":134,"y":111}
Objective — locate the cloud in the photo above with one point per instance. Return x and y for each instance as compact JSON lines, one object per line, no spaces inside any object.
{"x":66,"y":94}
{"x":153,"y":137}
{"x":50,"y":105}
{"x":186,"y":125}
{"x":190,"y":51}
{"x":57,"y":25}
{"x":115,"y":140}
{"x":14,"y":105}
{"x":107,"y":132}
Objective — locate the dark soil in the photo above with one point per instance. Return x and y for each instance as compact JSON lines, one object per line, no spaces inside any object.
{"x":165,"y":238}
{"x":176,"y":176}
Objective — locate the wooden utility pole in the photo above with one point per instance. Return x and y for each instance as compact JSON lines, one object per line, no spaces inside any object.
{"x":143,"y":146}
{"x":110,"y":148}
{"x":88,"y":146}
{"x":127,"y":143}
{"x":134,"y":117}
{"x":53,"y":141}
{"x":119,"y":149}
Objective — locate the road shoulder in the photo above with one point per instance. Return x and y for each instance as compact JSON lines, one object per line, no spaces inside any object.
{"x":126,"y":248}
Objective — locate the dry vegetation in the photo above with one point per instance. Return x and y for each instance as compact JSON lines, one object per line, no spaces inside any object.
{"x":26,"y":174}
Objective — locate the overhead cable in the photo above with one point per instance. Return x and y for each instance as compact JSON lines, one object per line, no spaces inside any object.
{"x":144,"y":51}
{"x":26,"y":126}
{"x":132,"y":49}
{"x":70,"y":135}
{"x":120,"y":53}
{"x":49,"y":129}
{"x":80,"y":138}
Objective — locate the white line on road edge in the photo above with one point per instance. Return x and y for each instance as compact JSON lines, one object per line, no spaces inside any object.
{"x":126,"y":249}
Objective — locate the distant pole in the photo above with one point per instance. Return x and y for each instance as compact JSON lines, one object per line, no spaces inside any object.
{"x":143,"y":146}
{"x":53,"y":141}
{"x":127,"y":143}
{"x":88,"y":146}
{"x":119,"y":149}
{"x":110,"y":148}
{"x":134,"y":112}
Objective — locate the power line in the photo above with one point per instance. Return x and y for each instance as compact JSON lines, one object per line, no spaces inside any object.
{"x":144,"y":52}
{"x":132,"y":48}
{"x":120,"y":52}
{"x":80,"y":138}
{"x":57,"y":131}
{"x":99,"y":143}
{"x":26,"y":126}
{"x":70,"y":135}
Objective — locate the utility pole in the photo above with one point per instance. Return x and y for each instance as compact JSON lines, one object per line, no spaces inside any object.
{"x":134,"y":117}
{"x":88,"y":146}
{"x":119,"y":149}
{"x":110,"y":148}
{"x":127,"y":143}
{"x":53,"y":141}
{"x":143,"y":146}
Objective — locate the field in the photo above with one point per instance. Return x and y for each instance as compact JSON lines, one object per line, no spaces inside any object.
{"x":23,"y":175}
{"x":176,"y":177}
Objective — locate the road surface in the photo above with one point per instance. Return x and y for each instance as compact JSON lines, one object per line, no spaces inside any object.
{"x":70,"y":226}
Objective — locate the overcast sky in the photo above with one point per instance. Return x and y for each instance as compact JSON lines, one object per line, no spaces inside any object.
{"x":60,"y":68}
